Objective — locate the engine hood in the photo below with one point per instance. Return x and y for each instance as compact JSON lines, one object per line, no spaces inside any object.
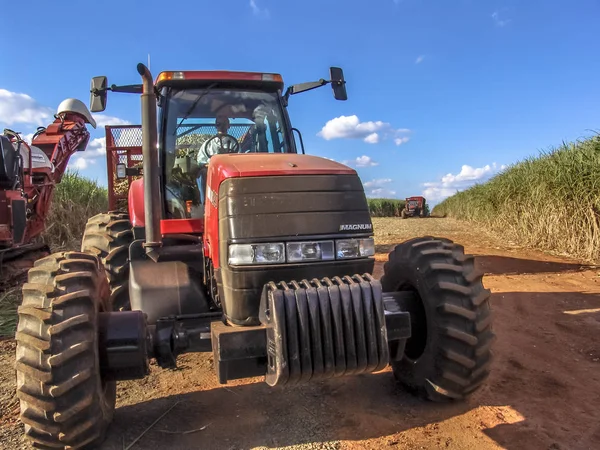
{"x":264,"y":164}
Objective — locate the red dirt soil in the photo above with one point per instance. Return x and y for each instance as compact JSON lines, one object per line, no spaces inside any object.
{"x":543,"y":393}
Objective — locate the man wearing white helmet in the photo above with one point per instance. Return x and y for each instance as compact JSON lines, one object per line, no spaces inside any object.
{"x":255,"y":139}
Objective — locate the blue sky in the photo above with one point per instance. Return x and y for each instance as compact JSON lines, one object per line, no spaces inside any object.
{"x":464,"y":86}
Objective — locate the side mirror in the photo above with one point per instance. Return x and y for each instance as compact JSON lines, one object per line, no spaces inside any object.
{"x":338,"y":84}
{"x":98,"y":92}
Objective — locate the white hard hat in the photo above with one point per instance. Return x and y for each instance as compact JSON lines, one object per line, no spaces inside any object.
{"x":260,"y":111}
{"x":73,"y":105}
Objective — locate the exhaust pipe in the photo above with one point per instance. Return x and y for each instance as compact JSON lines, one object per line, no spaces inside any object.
{"x":150,"y":164}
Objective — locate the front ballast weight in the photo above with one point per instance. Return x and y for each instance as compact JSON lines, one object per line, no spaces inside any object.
{"x":318,"y":329}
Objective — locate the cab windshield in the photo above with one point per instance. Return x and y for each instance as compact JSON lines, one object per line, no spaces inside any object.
{"x":199,"y":123}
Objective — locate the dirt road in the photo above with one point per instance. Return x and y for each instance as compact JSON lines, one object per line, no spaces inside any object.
{"x":543,"y":393}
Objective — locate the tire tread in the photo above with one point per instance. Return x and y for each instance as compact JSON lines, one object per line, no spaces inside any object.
{"x":58,"y":375}
{"x":452,"y":284}
{"x":108,"y":236}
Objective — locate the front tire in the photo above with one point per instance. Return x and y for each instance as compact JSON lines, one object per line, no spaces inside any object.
{"x":448,"y":355}
{"x":64,"y":401}
{"x":108,"y":236}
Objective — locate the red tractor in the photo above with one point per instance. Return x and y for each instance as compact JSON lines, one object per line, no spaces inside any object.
{"x":28,"y":174}
{"x":415,"y":207}
{"x":237,"y":243}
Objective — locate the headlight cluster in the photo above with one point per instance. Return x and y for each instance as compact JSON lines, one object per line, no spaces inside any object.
{"x":305,"y":251}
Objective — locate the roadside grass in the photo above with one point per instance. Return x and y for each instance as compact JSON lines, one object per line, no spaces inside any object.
{"x":385,"y":207}
{"x":75,"y":200}
{"x":550,"y":202}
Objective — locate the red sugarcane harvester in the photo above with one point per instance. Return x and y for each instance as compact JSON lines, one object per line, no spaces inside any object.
{"x":29,"y":173}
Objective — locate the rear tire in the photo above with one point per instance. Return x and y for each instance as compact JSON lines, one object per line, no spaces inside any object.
{"x":448,"y":356}
{"x":64,"y":401}
{"x":108,"y":236}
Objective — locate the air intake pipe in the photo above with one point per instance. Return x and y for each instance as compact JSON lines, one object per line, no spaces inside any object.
{"x":152,"y":195}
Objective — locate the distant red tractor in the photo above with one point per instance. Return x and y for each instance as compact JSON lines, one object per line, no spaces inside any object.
{"x":236,"y":243}
{"x":29,"y":173}
{"x":415,"y":207}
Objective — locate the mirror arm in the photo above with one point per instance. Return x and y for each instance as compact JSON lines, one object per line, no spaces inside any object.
{"x":303,"y":87}
{"x":129,"y":89}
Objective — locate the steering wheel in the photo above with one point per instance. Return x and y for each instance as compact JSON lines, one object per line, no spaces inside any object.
{"x":229,"y":148}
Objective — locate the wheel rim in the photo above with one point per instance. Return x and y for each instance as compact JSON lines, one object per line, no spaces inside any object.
{"x":416,"y":344}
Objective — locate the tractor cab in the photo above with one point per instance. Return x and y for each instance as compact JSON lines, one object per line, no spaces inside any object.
{"x":200,"y":114}
{"x":204,"y":119}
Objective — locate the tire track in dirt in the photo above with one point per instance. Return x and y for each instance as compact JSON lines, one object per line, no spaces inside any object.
{"x":543,"y":392}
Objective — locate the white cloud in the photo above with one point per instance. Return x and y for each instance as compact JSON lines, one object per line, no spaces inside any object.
{"x":21,"y":108}
{"x":377,"y":182}
{"x":27,"y":137}
{"x":18,"y":108}
{"x":78,"y":163}
{"x":103,"y":120}
{"x":361,"y":161}
{"x":401,"y":140}
{"x":420,"y":59}
{"x":257,"y":11}
{"x":95,"y":149}
{"x":350,"y":127}
{"x":498,"y":21}
{"x":376,"y":188}
{"x":372,"y":138}
{"x":467,"y":177}
{"x":380,"y":192}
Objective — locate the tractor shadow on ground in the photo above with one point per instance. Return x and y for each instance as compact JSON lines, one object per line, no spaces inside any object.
{"x":258,"y":416}
{"x":507,"y":265}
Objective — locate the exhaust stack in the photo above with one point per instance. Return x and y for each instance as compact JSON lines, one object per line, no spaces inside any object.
{"x":150,"y":163}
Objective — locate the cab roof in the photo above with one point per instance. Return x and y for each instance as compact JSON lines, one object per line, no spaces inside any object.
{"x":268,"y":81}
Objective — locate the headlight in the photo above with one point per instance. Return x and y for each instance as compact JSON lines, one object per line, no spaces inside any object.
{"x":293,"y":252}
{"x":268,"y":253}
{"x":310,"y":251}
{"x":354,"y":248}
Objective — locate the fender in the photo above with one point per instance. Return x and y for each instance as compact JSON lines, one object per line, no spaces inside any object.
{"x":135,"y":206}
{"x":135,"y":202}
